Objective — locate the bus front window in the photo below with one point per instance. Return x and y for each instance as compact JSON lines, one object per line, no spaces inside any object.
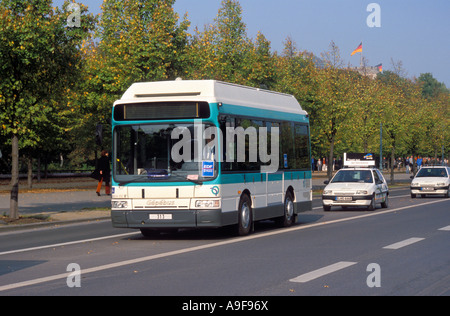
{"x":157,"y":152}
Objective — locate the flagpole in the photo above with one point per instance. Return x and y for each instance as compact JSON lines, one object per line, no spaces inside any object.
{"x":361,"y":60}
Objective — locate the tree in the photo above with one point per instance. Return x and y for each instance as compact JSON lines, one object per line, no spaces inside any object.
{"x":135,"y":41}
{"x":222,"y":51}
{"x":402,"y":106}
{"x":38,"y":56}
{"x":334,"y":102}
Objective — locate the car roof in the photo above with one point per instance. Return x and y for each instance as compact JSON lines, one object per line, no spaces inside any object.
{"x":434,"y":166}
{"x":358,"y":168}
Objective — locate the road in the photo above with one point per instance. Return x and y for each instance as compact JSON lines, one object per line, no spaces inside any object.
{"x":402,"y":250}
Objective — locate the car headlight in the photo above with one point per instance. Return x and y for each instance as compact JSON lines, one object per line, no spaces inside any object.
{"x":440,"y":184}
{"x":119,"y":204}
{"x":207,"y":203}
{"x":326,"y":192}
{"x":361,"y":192}
{"x":415,"y":184}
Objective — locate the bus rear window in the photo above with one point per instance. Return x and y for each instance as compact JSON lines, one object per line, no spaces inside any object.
{"x":161,"y":110}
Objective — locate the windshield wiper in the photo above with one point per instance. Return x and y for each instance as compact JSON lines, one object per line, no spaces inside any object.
{"x":185,"y":178}
{"x":132,"y":180}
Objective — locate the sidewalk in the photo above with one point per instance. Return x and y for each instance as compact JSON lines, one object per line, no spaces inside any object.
{"x":61,"y":199}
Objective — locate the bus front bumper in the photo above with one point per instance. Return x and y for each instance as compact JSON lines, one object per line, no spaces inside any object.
{"x":166,"y":218}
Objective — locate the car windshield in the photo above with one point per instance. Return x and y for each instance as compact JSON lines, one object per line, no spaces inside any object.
{"x":431,"y":172}
{"x":151,"y":153}
{"x":359,"y":176}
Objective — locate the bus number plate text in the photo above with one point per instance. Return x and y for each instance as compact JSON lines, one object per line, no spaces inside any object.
{"x":160,"y":216}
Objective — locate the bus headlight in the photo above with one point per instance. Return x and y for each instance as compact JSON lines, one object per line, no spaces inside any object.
{"x":119,"y":204}
{"x":207,"y":203}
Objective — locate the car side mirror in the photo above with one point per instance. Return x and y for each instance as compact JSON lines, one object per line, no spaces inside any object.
{"x":411,"y":177}
{"x":326,"y":181}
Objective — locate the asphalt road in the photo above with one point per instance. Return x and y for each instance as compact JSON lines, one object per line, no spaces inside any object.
{"x":402,"y":250}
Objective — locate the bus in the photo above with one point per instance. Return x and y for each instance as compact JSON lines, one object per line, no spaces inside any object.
{"x":256,"y":166}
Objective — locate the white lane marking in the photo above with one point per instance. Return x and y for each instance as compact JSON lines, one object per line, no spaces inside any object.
{"x":404,"y":243}
{"x":217,"y":244}
{"x":66,"y":243}
{"x":322,"y":271}
{"x":446,"y":228}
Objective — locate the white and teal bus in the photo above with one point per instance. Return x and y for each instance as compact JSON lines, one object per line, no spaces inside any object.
{"x":205,"y":153}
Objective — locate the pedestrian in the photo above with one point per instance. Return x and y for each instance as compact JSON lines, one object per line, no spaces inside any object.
{"x":407,"y":165}
{"x":103,"y":173}
{"x":419,"y":162}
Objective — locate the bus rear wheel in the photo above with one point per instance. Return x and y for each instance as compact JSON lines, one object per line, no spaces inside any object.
{"x":245,"y":216}
{"x":288,"y":217}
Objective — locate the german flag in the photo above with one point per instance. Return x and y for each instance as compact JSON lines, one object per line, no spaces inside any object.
{"x":380,"y":67}
{"x":357,"y":50}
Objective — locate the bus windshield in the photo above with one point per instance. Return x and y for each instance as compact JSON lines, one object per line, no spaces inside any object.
{"x":144,"y":153}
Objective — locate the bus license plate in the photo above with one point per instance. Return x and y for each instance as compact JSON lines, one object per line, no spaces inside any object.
{"x":160,"y":216}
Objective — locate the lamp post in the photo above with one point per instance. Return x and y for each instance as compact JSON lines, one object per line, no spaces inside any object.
{"x":381,"y":146}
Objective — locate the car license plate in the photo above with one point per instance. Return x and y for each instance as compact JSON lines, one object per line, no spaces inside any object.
{"x":160,"y":216}
{"x":427,"y":189}
{"x":343,"y":198}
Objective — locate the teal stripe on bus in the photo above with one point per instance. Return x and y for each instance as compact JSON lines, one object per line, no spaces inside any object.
{"x":260,"y":113}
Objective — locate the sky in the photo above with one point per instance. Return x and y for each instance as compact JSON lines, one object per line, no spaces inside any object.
{"x":414,"y":32}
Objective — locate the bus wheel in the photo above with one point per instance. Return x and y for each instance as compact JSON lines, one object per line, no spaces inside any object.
{"x":289,"y":217}
{"x":245,"y":220}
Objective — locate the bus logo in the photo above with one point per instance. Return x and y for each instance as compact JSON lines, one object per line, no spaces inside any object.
{"x":215,"y":190}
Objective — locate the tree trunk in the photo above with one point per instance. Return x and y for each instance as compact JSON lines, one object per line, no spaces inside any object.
{"x":30,"y":172}
{"x":330,"y":160}
{"x":14,"y":200}
{"x":392,"y":164}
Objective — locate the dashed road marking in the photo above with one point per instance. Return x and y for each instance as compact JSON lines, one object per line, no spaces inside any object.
{"x":403,"y":243}
{"x":322,"y":271}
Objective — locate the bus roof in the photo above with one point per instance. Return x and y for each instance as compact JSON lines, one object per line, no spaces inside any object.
{"x":211,"y":91}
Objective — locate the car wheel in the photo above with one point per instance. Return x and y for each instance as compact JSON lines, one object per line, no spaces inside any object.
{"x":385,"y":203}
{"x":327,"y":208}
{"x":372,"y":205}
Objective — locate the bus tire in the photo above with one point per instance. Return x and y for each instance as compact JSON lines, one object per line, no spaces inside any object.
{"x":245,"y":216}
{"x":288,"y":217}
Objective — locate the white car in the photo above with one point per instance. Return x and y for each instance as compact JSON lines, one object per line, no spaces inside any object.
{"x":431,"y":180}
{"x":356,"y":187}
